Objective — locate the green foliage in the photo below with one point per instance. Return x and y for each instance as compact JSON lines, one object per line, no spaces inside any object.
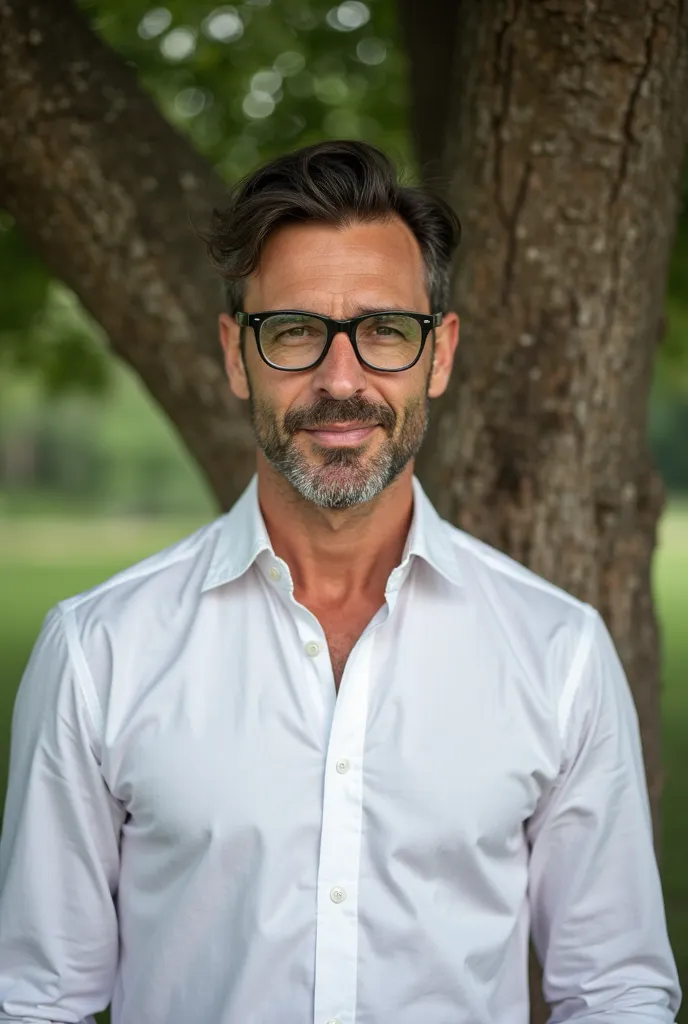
{"x":247,"y":82}
{"x":244,"y":83}
{"x":77,"y":453}
{"x":43,"y":331}
{"x":673,"y":357}
{"x":668,"y":428}
{"x":25,"y":281}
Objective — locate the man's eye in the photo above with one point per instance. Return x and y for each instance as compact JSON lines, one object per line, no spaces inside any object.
{"x":385,"y":331}
{"x":294,"y":332}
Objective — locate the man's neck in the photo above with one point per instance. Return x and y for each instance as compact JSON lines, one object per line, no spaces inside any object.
{"x":337,"y":558}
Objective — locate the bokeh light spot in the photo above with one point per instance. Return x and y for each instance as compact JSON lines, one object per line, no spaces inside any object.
{"x":289,"y":63}
{"x":371,"y":51}
{"x":178,"y":44}
{"x":224,"y":24}
{"x":258,"y":105}
{"x":190,"y":102}
{"x":348,"y":16}
{"x":154,"y":22}
{"x":266,"y":81}
{"x":331,"y":89}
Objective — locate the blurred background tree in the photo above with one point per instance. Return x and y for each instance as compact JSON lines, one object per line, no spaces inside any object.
{"x":243,"y":83}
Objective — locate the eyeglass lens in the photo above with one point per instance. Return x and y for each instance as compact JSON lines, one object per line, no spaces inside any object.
{"x":295,"y":341}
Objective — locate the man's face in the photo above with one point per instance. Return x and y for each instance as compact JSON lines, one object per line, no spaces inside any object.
{"x":376,"y":420}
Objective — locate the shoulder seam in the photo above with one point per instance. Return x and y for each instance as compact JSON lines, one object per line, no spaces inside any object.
{"x":528,"y":577}
{"x":575,"y":674}
{"x":126,"y":576}
{"x":81,"y":669}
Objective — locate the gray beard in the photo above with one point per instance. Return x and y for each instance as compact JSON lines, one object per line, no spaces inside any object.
{"x":339,"y":478}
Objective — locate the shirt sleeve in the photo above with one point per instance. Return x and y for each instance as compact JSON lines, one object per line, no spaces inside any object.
{"x":597,"y":912}
{"x":59,"y":850}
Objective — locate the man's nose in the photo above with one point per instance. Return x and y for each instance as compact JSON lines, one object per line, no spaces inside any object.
{"x":340,"y":373}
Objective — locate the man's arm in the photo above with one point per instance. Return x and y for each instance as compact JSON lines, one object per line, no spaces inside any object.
{"x":59,"y":851}
{"x":598,"y":919}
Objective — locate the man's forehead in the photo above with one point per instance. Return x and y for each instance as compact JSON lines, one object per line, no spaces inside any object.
{"x":361,"y":266}
{"x":371,"y":240}
{"x":347,"y":307}
{"x":338,"y":303}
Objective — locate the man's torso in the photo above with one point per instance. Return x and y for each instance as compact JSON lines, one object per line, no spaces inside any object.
{"x":342,"y":856}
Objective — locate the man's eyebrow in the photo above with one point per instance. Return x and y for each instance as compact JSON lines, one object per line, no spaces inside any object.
{"x":356,"y":311}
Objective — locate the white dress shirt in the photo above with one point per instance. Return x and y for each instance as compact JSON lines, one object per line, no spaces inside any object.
{"x":200,"y":829}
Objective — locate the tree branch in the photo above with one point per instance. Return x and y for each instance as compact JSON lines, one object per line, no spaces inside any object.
{"x":90,"y":170}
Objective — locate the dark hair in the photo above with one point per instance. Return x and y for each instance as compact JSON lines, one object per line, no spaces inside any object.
{"x":338,"y":182}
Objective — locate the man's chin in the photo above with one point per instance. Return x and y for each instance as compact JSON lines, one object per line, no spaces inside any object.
{"x":335,"y":497}
{"x":340,"y":480}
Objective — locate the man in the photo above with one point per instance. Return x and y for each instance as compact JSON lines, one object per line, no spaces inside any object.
{"x":329,"y":759}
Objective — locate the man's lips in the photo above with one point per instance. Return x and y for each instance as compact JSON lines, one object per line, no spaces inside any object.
{"x":343,"y":433}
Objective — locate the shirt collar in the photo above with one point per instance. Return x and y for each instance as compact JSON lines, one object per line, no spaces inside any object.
{"x":430,"y":538}
{"x":243,"y":535}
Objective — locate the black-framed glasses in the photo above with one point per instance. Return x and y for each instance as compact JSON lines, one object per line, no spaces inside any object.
{"x":294,"y":339}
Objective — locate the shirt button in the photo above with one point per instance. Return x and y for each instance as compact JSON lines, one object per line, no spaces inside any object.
{"x":275,"y":574}
{"x":312,"y":648}
{"x":342,"y":765}
{"x":337,"y":895}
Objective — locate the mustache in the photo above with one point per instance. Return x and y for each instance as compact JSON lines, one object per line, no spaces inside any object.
{"x":348,"y":410}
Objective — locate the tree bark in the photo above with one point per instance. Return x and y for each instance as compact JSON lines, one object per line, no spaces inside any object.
{"x":563,"y":153}
{"x":107,"y":192}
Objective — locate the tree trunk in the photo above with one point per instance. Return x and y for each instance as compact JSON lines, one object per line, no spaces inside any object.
{"x":106,"y":191}
{"x":563,"y":152}
{"x":429,"y":32}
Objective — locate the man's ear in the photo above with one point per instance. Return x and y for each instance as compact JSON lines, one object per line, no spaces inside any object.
{"x":443,"y":355}
{"x":230,"y":336}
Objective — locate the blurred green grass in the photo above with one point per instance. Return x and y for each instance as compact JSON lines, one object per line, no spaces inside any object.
{"x":671,"y":595}
{"x":43,"y":561}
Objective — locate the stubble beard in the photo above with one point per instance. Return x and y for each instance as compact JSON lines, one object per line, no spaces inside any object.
{"x":340,"y":478}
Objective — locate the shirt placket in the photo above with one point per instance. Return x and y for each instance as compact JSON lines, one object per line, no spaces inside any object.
{"x":345,"y":716}
{"x":336,"y":951}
